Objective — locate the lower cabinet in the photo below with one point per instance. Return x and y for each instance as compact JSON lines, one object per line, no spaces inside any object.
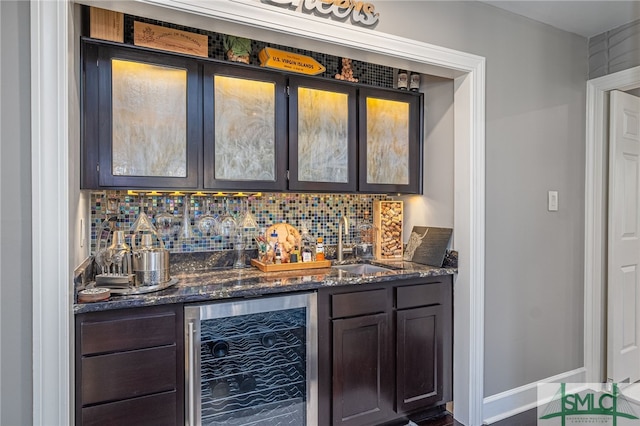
{"x":384,"y":355}
{"x":360,"y":357}
{"x":385,"y":351}
{"x":419,"y":357}
{"x":129,"y":367}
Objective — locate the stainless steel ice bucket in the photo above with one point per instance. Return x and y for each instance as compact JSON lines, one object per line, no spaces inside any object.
{"x":151,"y":266}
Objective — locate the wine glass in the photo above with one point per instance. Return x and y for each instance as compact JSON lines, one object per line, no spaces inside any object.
{"x":108,"y":225}
{"x":208,"y":223}
{"x":142,"y":223}
{"x":166,"y":221}
{"x":186,"y":231}
{"x":248,"y":222}
{"x":228,"y":224}
{"x":248,"y":225}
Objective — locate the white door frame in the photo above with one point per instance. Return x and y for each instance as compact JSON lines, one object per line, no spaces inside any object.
{"x":596,"y":204}
{"x":52,"y":316}
{"x":51,"y":52}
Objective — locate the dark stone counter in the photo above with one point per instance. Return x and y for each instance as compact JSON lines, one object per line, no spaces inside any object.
{"x":216,"y":284}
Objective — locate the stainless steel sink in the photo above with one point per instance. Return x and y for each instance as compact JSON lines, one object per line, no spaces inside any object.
{"x":362,"y":269}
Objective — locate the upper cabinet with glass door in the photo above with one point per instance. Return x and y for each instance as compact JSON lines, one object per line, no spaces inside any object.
{"x":245,"y":134}
{"x":322,"y":135}
{"x":141,"y":118}
{"x":390,"y":141}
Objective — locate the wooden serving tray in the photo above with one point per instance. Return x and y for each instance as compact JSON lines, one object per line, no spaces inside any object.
{"x":274,"y":267}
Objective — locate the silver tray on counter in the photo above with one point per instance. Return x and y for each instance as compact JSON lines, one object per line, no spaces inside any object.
{"x":140,"y":289}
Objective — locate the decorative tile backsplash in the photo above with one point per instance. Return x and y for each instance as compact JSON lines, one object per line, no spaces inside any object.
{"x":321,"y":211}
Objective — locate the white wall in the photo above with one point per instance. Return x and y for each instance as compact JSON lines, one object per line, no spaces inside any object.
{"x":615,"y":50}
{"x":15,"y":215}
{"x":534,"y":143}
{"x":435,"y":206}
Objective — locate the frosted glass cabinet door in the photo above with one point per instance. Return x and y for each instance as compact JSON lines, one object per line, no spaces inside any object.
{"x":390,"y":141}
{"x":322,"y":135}
{"x":141,"y":108}
{"x":149,"y":119}
{"x":244,"y":129}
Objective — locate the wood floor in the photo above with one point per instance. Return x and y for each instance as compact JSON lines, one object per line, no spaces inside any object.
{"x":528,"y":418}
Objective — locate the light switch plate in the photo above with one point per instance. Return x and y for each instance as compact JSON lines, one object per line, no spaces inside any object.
{"x":553,"y":201}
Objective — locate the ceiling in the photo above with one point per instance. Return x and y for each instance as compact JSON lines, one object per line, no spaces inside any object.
{"x":585,"y":18}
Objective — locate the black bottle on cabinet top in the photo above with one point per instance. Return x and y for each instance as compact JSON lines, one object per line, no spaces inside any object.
{"x":414,"y":82}
{"x":403,"y":79}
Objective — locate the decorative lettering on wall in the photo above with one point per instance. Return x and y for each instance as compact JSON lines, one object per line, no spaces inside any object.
{"x":359,"y":12}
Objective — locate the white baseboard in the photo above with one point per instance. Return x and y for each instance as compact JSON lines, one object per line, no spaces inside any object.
{"x":515,"y":401}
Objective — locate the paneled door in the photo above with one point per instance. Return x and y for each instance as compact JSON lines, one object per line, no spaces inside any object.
{"x":623,"y":346}
{"x":362,"y":372}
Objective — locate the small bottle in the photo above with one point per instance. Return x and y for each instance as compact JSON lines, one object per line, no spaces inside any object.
{"x":414,"y":82}
{"x":307,"y":254}
{"x":271,"y":249}
{"x":365,"y":239}
{"x":294,"y":257}
{"x":319,"y":250}
{"x":307,"y":244}
{"x":403,"y":79}
{"x":278,"y":254}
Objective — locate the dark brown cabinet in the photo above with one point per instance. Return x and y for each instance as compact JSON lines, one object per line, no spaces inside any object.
{"x":322,"y":135}
{"x":129,"y":367}
{"x":419,"y":363}
{"x":360,"y":358}
{"x":141,"y":123}
{"x":390,"y":124}
{"x":360,"y":361}
{"x":245,"y":128}
{"x":384,"y":351}
{"x":159,"y":120}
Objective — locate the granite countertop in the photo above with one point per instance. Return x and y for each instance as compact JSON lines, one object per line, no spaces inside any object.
{"x":225,"y":283}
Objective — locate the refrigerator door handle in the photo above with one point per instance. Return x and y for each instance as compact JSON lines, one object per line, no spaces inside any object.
{"x":191,"y":379}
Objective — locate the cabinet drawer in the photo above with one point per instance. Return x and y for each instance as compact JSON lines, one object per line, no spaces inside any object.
{"x":154,"y":410}
{"x":419,"y":295}
{"x":127,"y":333}
{"x":128,"y":374}
{"x":358,"y":303}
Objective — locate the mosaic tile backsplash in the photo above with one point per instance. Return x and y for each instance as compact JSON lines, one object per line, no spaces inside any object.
{"x":166,"y":210}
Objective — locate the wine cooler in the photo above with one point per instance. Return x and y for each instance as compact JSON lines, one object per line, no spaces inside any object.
{"x":252,"y":362}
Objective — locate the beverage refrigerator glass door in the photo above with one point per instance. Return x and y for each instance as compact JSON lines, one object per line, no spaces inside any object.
{"x":252,"y":362}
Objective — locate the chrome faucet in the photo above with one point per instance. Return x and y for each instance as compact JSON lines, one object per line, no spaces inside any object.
{"x":341,"y":250}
